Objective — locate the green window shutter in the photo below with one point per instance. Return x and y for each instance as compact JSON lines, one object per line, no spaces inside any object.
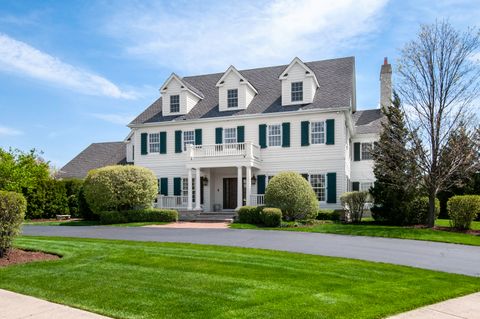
{"x":218,"y":135}
{"x":198,"y":136}
{"x":356,"y":186}
{"x":305,"y":128}
{"x":262,"y":135}
{"x":241,"y":134}
{"x":286,"y":134}
{"x":177,"y":186}
{"x":178,"y":141}
{"x":305,"y":176}
{"x":164,"y":186}
{"x":144,"y":143}
{"x":330,"y":132}
{"x":163,"y":142}
{"x":356,"y":152}
{"x":260,"y":184}
{"x":331,"y":188}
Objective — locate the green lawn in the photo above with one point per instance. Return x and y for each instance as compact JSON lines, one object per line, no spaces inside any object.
{"x":125,"y":279}
{"x":88,"y":223}
{"x":370,"y":229}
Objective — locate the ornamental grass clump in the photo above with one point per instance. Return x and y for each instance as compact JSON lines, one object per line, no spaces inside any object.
{"x":293,"y":194}
{"x":12,"y":212}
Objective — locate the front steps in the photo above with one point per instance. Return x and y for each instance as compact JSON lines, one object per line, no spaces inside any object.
{"x":207,"y":217}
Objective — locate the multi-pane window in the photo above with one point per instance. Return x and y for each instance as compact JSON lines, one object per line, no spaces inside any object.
{"x":366,"y":150}
{"x":297,"y":91}
{"x":317,"y":133}
{"x":188,"y":139}
{"x":154,"y":142}
{"x":275,"y":135}
{"x":185,"y":188}
{"x":230,"y":135}
{"x":232,"y":98}
{"x":365,"y":186}
{"x":318,"y":184}
{"x":174,"y":103}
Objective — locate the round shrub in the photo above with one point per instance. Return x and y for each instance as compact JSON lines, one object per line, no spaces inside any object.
{"x":116,"y":188}
{"x":271,"y":217}
{"x":12,"y":212}
{"x":293,"y":194}
{"x":417,"y":211}
{"x":249,"y":215}
{"x":463,"y":210}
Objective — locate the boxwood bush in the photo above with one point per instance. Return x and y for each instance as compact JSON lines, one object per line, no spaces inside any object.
{"x":271,"y":217}
{"x":12,"y":212}
{"x":329,"y":214}
{"x":462,"y":210}
{"x":138,"y":215}
{"x":119,"y":188}
{"x":292,"y":193}
{"x":249,"y":215}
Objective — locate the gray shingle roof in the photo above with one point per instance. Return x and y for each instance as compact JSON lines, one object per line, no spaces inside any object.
{"x":94,"y":156}
{"x":336,"y":78}
{"x":368,"y":121}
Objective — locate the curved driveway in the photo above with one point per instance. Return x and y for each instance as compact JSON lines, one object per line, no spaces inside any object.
{"x":452,"y":258}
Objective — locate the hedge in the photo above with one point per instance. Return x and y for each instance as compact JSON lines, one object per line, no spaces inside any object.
{"x":462,"y":210}
{"x":12,"y":212}
{"x":329,"y":214}
{"x":249,"y":215}
{"x":271,"y":217}
{"x":138,"y":215}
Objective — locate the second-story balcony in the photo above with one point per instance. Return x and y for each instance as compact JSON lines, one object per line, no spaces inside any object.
{"x":225,"y":152}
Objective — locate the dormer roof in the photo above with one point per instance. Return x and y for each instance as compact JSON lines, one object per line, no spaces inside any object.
{"x":231,"y":69}
{"x":308,"y":71}
{"x":185,"y":85}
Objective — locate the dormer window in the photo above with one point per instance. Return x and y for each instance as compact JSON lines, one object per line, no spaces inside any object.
{"x":297,"y":91}
{"x":232,"y":98}
{"x":174,"y":103}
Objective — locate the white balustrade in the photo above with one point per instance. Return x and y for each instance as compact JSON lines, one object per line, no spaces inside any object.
{"x":247,"y":150}
{"x":257,"y":200}
{"x":176,"y":202}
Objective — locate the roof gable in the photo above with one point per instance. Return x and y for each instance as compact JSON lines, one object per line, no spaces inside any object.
{"x":308,"y":71}
{"x":184,"y":85}
{"x":232,"y":69}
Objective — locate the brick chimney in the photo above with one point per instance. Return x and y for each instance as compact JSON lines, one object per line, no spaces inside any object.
{"x":386,"y":84}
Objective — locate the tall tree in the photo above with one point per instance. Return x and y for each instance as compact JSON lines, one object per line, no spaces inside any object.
{"x":395,"y":168}
{"x":438,"y":81}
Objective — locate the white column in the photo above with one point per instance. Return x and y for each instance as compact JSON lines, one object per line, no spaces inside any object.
{"x":248,"y":179}
{"x":197,"y":189}
{"x":190,"y":194}
{"x":239,"y":187}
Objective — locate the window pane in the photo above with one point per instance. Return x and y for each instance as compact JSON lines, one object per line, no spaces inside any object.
{"x":318,"y":184}
{"x":297,"y":91}
{"x":367,"y":151}
{"x":188,"y":139}
{"x":185,"y":188}
{"x":318,"y":132}
{"x":174,"y":103}
{"x":274,"y":135}
{"x":230,"y":135}
{"x":232,"y":98}
{"x":154,"y":142}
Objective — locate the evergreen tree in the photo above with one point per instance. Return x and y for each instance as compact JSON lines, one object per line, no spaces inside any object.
{"x":394,"y":168}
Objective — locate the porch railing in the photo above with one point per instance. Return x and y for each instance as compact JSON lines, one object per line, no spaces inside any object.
{"x":257,"y":199}
{"x":247,"y":150}
{"x":176,"y":202}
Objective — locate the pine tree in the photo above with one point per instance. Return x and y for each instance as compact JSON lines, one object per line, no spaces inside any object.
{"x":394,"y":168}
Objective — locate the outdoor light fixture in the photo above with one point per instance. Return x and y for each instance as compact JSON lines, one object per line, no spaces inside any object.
{"x":254,"y":180}
{"x":205,"y":181}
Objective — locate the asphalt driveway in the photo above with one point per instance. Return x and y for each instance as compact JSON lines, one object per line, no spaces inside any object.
{"x":460,"y":259}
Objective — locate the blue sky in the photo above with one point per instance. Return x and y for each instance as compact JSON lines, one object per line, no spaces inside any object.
{"x":76,"y":72}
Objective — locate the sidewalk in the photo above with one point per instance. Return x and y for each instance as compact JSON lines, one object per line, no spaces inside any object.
{"x":16,"y":306}
{"x":467,"y":307}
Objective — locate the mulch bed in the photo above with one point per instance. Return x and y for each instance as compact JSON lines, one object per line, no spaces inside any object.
{"x":18,"y":256}
{"x":470,"y":231}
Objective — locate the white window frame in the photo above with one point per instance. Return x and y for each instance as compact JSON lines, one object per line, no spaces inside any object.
{"x":280,"y":136}
{"x":234,"y":100}
{"x":365,"y":186}
{"x":171,"y":96}
{"x":292,"y":92}
{"x":185,"y":141}
{"x":362,"y":151}
{"x":325,"y":186}
{"x":154,"y":143}
{"x":230,"y":139}
{"x":184,"y":188}
{"x":319,"y":133}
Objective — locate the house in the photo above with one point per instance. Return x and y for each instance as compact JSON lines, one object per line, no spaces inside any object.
{"x":215,"y":141}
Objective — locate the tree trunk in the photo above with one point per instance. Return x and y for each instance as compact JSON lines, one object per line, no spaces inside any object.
{"x":431,"y":208}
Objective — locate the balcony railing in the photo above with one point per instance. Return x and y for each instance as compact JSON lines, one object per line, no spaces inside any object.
{"x":257,"y":200}
{"x":246,"y":150}
{"x":172,"y":202}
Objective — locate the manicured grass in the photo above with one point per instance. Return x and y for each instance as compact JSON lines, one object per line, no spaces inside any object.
{"x":446,"y":223}
{"x":89,"y":223}
{"x":371,"y":229}
{"x":125,"y":279}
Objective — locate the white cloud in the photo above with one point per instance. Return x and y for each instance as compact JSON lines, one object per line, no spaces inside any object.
{"x":8,"y":131}
{"x":22,"y":58}
{"x":199,"y":36}
{"x":114,"y":118}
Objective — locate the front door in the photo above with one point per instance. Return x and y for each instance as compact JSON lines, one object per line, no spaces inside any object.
{"x":229,"y":193}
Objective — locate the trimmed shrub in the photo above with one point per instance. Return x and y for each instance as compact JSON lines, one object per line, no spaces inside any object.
{"x":462,"y":210}
{"x":47,"y":199}
{"x":271,"y":217}
{"x":73,"y":188}
{"x":139,"y":215}
{"x":119,"y":188}
{"x":249,"y":215}
{"x":12,"y":212}
{"x":354,"y":203}
{"x":293,"y":194}
{"x":417,"y":211}
{"x":329,"y":214}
